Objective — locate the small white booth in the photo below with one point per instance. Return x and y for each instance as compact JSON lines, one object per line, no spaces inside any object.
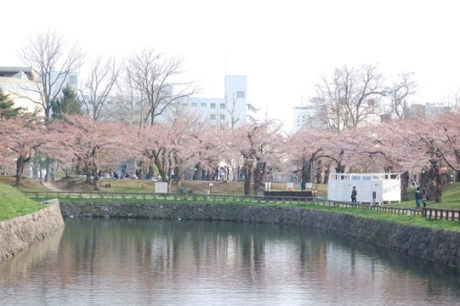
{"x":373,"y":188}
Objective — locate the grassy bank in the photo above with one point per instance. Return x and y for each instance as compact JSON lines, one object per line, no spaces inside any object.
{"x":451,"y":197}
{"x":26,"y":183}
{"x":14,"y":204}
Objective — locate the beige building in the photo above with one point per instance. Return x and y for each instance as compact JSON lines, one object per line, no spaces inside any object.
{"x":21,"y":84}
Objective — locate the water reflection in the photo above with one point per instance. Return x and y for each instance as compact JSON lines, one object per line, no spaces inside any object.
{"x":146,"y":262}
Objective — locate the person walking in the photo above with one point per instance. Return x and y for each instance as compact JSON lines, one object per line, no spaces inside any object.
{"x":354,"y":193}
{"x":418,"y":197}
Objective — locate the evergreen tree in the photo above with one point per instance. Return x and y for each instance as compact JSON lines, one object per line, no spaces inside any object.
{"x":67,"y":103}
{"x":7,"y":109}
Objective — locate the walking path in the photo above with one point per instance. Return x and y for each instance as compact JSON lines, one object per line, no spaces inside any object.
{"x":50,"y":186}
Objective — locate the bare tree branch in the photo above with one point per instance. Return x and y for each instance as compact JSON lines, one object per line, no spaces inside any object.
{"x":53,"y":60}
{"x":98,"y":86}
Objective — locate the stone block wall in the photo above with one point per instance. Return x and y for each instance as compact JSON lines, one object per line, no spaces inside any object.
{"x":436,"y":245}
{"x":20,"y":233}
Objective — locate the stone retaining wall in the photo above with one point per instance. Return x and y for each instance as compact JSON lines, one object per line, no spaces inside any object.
{"x":436,"y":245}
{"x":19,"y":233}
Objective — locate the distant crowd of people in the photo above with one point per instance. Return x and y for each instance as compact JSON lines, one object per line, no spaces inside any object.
{"x":124,"y":173}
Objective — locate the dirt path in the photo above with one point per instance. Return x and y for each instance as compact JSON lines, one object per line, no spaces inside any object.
{"x":50,"y":186}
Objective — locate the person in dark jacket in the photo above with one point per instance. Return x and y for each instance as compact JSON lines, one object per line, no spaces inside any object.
{"x":354,"y":193}
{"x":418,"y":197}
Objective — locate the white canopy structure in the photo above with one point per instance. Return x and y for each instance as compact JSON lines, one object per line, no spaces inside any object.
{"x":373,"y":188}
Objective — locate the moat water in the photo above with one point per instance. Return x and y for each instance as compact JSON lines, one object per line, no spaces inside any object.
{"x":155,"y":262}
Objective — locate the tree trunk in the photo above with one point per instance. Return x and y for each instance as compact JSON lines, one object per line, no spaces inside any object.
{"x":177,"y":175}
{"x":88,"y":174}
{"x":47,"y":167}
{"x":326,"y":173}
{"x":258,"y":176}
{"x":306,"y":173}
{"x":196,"y":172}
{"x":434,"y":182}
{"x":404,"y":185}
{"x":160,"y":163}
{"x":19,"y":169}
{"x":247,"y":168}
{"x":340,"y":168}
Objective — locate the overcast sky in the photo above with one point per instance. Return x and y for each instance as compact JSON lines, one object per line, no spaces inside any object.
{"x":282,"y":46}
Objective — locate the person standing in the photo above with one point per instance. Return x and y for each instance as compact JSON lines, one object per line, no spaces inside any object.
{"x":418,"y":197}
{"x":354,"y":193}
{"x":424,"y":197}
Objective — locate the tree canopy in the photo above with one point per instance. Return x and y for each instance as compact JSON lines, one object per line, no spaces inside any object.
{"x":68,"y":103}
{"x":7,"y":109}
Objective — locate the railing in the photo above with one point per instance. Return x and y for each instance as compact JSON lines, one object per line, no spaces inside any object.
{"x":447,"y":214}
{"x":144,"y":196}
{"x":217,"y":198}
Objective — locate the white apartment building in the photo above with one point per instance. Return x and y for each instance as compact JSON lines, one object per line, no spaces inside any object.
{"x":232,"y":109}
{"x":302,"y":116}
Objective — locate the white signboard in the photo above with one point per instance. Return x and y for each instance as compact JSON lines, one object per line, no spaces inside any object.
{"x":161,"y":187}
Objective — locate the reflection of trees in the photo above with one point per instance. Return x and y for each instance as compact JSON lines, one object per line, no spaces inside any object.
{"x":149,"y":256}
{"x":165,"y":251}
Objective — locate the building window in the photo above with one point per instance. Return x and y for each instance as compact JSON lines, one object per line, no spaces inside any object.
{"x":194,"y":104}
{"x":213,"y":105}
{"x":213,"y":117}
{"x":203,"y":104}
{"x":222,"y":105}
{"x":240,"y":94}
{"x":222,"y":117}
{"x":72,"y":79}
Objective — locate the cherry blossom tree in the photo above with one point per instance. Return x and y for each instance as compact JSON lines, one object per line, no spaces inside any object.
{"x":170,"y":146}
{"x":306,"y":148}
{"x":88,"y":141}
{"x":385,"y":147}
{"x":260,"y":144}
{"x":23,"y":136}
{"x":437,"y":138}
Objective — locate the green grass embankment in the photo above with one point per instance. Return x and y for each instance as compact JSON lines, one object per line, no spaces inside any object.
{"x":14,"y":204}
{"x":451,"y":198}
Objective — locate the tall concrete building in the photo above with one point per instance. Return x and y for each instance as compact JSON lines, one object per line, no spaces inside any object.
{"x":302,"y":116}
{"x":233,"y":109}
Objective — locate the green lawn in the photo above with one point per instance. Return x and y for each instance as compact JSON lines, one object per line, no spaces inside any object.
{"x":13,"y":203}
{"x":450,"y":198}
